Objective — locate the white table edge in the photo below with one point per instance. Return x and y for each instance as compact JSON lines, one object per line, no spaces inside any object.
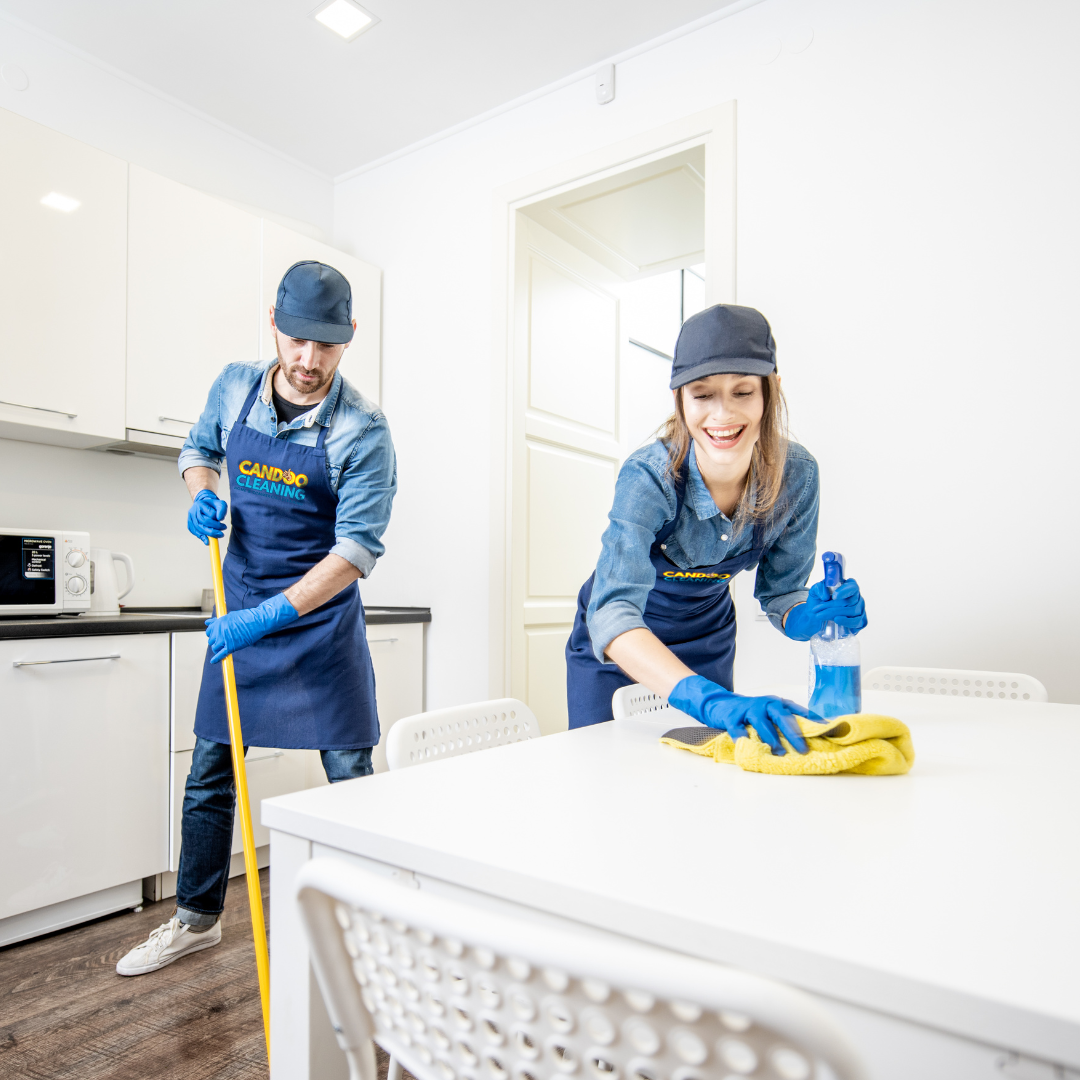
{"x":980,"y":1019}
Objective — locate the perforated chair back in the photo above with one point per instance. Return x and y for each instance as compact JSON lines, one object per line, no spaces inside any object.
{"x":638,"y":700}
{"x":463,"y":729}
{"x":950,"y":682}
{"x":456,"y":992}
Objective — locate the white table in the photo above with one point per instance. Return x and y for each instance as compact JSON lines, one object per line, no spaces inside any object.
{"x":938,"y":913}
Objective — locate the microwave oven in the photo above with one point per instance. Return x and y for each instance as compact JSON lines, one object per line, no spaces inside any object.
{"x":44,"y":572}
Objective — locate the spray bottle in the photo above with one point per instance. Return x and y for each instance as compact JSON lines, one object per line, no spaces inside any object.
{"x":835,"y":674}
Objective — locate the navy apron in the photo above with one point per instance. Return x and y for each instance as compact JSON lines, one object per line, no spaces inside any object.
{"x":690,"y":611}
{"x":311,"y":684}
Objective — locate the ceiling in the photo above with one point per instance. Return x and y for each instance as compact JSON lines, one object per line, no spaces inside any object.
{"x":266,"y":68}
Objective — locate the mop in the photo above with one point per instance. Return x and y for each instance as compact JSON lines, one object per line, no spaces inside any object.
{"x":251,"y":868}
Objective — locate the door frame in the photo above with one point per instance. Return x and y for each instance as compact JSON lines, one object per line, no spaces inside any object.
{"x":715,"y":129}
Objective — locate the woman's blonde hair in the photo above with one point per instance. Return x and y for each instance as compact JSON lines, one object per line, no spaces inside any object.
{"x":765,"y":479}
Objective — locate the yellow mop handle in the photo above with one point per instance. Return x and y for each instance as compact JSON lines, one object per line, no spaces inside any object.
{"x":251,"y":868}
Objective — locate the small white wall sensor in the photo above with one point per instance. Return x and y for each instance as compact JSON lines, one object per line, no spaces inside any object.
{"x":605,"y":84}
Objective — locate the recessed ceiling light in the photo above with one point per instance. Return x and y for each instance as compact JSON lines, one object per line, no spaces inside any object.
{"x":345,"y":18}
{"x":55,"y":201}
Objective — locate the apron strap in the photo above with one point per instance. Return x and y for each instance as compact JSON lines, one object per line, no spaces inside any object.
{"x":246,"y":407}
{"x":324,"y":428}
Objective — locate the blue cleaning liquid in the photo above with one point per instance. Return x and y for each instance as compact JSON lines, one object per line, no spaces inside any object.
{"x":837,"y":690}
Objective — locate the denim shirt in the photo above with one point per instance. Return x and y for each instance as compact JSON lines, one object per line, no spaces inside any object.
{"x":360,"y":461}
{"x":645,"y":502}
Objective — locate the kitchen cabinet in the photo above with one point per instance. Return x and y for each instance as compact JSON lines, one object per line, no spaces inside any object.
{"x":361,"y":363}
{"x":194,"y":296}
{"x":63,"y":288}
{"x":84,"y":768}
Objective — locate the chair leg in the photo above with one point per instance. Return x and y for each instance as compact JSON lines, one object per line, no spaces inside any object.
{"x":394,"y":1070}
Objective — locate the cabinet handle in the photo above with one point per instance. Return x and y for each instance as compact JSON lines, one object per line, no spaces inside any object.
{"x":69,"y":660}
{"x":174,"y":420}
{"x":265,"y":757}
{"x":41,"y":408}
{"x":381,"y":640}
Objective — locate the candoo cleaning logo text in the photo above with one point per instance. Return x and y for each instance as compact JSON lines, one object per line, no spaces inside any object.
{"x":271,"y":480}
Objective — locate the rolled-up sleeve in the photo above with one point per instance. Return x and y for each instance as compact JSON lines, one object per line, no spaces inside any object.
{"x":786,"y":564}
{"x":624,"y":572}
{"x":365,"y":495}
{"x":203,"y":445}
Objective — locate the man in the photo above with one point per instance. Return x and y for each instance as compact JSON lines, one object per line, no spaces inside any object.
{"x":312,"y":476}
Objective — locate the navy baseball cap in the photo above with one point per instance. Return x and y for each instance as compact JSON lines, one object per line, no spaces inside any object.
{"x":723,"y":340}
{"x":314,"y":302}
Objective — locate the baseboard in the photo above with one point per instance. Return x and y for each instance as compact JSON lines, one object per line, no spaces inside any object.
{"x":29,"y":924}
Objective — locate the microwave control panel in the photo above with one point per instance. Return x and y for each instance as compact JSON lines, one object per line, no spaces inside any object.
{"x":75,"y":559}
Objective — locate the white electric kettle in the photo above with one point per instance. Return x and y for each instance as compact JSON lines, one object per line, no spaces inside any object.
{"x":105,"y":595}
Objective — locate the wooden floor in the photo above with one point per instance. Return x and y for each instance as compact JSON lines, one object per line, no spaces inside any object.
{"x":66,"y":1014}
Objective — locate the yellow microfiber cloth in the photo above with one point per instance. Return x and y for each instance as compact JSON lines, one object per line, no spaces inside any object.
{"x":860,"y":743}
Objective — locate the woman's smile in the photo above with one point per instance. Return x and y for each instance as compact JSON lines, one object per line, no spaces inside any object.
{"x":726,"y":437}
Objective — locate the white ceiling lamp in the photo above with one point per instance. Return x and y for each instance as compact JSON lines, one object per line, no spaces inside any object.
{"x":55,"y":201}
{"x":346,"y":19}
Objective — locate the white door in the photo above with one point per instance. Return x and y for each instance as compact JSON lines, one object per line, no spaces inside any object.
{"x":193,"y":299}
{"x":566,"y":454}
{"x":281,"y":248}
{"x":63,"y":280}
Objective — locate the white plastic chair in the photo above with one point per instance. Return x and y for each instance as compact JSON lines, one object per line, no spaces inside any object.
{"x":950,"y":682}
{"x":463,"y":729}
{"x":638,"y":700}
{"x":457,"y":992}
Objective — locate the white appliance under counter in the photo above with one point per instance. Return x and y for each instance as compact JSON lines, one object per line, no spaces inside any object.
{"x":84,"y":763}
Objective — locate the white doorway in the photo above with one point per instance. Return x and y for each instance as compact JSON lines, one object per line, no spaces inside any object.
{"x":604,"y":262}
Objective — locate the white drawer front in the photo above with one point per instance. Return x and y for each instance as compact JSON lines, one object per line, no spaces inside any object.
{"x":84,"y":749}
{"x":397,"y":655}
{"x":188,"y":651}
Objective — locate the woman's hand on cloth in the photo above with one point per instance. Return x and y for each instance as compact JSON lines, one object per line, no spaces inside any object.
{"x":238,"y":629}
{"x":847,"y":608}
{"x":718,"y":708}
{"x":207,"y":516}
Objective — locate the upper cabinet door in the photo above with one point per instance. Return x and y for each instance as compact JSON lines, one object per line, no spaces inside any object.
{"x":193,"y":299}
{"x":281,"y":248}
{"x":62,"y":287}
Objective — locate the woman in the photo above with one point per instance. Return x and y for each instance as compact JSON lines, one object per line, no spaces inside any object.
{"x":721,"y":491}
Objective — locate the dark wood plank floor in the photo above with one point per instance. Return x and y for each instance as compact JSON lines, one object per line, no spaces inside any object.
{"x":66,"y":1014}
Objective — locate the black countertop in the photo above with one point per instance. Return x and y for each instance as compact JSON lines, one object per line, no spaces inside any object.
{"x":160,"y":621}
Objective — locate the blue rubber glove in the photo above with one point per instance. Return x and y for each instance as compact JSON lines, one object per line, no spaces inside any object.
{"x":239,"y":629}
{"x":207,"y":516}
{"x":719,"y":708}
{"x":847,"y":608}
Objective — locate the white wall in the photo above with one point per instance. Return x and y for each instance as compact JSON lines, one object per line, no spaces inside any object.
{"x":907,"y":221}
{"x":131,"y":504}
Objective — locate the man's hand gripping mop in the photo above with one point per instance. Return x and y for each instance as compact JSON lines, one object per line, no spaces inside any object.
{"x":251,"y":868}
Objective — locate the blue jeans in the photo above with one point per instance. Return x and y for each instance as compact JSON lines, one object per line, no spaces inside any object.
{"x":206,"y":829}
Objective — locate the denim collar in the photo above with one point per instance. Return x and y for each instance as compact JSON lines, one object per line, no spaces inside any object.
{"x":698,"y":493}
{"x":321,"y":415}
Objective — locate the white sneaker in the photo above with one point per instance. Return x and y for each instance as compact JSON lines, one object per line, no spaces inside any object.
{"x":167,"y":943}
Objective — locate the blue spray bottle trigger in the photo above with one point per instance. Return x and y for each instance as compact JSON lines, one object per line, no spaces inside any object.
{"x":834,"y":569}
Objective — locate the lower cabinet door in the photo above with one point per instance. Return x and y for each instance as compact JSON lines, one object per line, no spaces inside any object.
{"x":84,"y":751}
{"x":269,"y":772}
{"x":397,"y":655}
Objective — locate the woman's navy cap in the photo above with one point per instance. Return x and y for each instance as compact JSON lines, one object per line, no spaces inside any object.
{"x":314,"y":302}
{"x":723,"y":340}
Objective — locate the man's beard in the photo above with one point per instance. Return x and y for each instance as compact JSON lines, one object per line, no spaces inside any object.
{"x":301,"y":388}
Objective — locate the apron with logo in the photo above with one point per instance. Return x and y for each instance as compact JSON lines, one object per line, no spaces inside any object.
{"x":311,"y":684}
{"x":690,"y":611}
